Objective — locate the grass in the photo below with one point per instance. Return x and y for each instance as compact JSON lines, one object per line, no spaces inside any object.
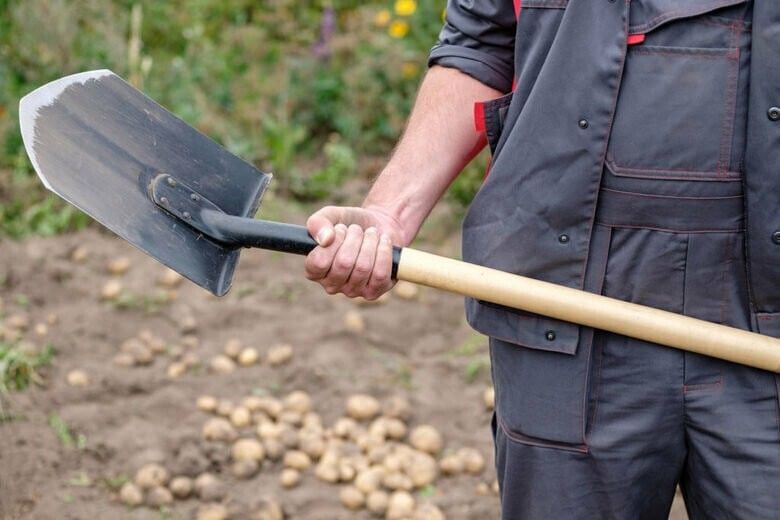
{"x":19,"y":369}
{"x":64,"y":434}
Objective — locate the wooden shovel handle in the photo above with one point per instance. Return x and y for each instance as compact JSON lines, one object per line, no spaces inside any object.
{"x":592,"y":310}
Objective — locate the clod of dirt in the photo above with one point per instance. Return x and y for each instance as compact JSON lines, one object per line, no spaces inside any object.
{"x":473,"y":461}
{"x":77,"y":378}
{"x":124,"y":360}
{"x":354,"y":322}
{"x":209,"y":488}
{"x":79,"y":254}
{"x":289,"y":478}
{"x":176,"y":369}
{"x":297,"y":459}
{"x":219,"y":429}
{"x":268,"y":509}
{"x":181,"y":487}
{"x":406,"y":290}
{"x":111,"y":290}
{"x":428,"y":512}
{"x":188,"y":324}
{"x":426,"y":438}
{"x":279,"y":355}
{"x":248,"y":449}
{"x":131,"y":494}
{"x":150,"y":476}
{"x":118,"y":266}
{"x":397,"y":407}
{"x":377,"y":502}
{"x":298,"y":401}
{"x":190,"y":461}
{"x":222,"y":364}
{"x":159,"y":497}
{"x":190,"y":341}
{"x":245,"y":469}
{"x":489,"y":398}
{"x":41,"y":329}
{"x":212,"y":512}
{"x":248,"y":356}
{"x":241,"y":417}
{"x":19,"y":321}
{"x":352,"y":498}
{"x":170,"y":279}
{"x":451,"y":464}
{"x":362,"y":407}
{"x":400,"y":505}
{"x":233,"y":348}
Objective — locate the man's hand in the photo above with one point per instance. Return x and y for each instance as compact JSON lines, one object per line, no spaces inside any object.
{"x":355,"y":253}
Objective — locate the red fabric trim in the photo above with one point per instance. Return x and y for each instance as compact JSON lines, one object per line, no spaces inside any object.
{"x":635,"y":39}
{"x":518,"y":5}
{"x":487,"y":168}
{"x":479,"y":117}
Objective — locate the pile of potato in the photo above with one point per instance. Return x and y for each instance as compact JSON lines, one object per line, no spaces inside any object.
{"x":372,"y":452}
{"x":236,"y":354}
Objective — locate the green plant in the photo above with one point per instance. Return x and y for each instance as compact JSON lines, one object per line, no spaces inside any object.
{"x":64,"y":434}
{"x":19,"y":369}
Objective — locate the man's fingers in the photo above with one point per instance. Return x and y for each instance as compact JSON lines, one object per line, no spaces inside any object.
{"x":364,"y":264}
{"x":321,"y":225}
{"x":381,"y":280}
{"x":344,"y":261}
{"x":319,"y":261}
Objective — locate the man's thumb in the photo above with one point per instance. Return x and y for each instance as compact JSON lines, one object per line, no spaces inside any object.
{"x":321,"y":228}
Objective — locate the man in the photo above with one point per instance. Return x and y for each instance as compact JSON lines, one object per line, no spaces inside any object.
{"x":635,"y":150}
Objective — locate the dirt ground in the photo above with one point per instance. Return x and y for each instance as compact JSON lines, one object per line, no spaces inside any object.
{"x":125,"y":417}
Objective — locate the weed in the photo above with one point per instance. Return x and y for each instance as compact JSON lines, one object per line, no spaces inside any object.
{"x":19,"y":369}
{"x":64,"y":434}
{"x":474,"y":368}
{"x":471,"y":345}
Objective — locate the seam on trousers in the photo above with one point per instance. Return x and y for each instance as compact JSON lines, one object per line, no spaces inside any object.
{"x":538,"y":443}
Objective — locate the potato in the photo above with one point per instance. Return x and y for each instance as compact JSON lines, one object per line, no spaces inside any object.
{"x":296,"y":459}
{"x":222,"y":364}
{"x":219,"y":429}
{"x":489,"y":398}
{"x":140,"y":353}
{"x":289,"y":436}
{"x":269,"y":430}
{"x":473,"y":461}
{"x":483,"y":489}
{"x":377,"y":502}
{"x":77,"y":378}
{"x":274,"y":449}
{"x":289,"y":477}
{"x":422,"y":469}
{"x":158,"y":497}
{"x":181,"y":487}
{"x":312,"y":444}
{"x":279,"y":355}
{"x":428,"y":512}
{"x":190,"y":359}
{"x":19,"y":321}
{"x":118,"y":266}
{"x":233,"y":348}
{"x":79,"y":254}
{"x":273,"y":407}
{"x":347,"y":471}
{"x":124,"y":360}
{"x":327,"y":472}
{"x":298,"y":401}
{"x":209,"y":488}
{"x":248,"y":356}
{"x":41,"y":329}
{"x":351,"y":498}
{"x":190,"y":341}
{"x":396,"y":480}
{"x":188,"y":324}
{"x":400,"y":506}
{"x":225,"y":407}
{"x":291,"y":417}
{"x":369,"y":480}
{"x":395,"y":428}
{"x":406,"y":290}
{"x":170,"y":279}
{"x":362,"y":407}
{"x":240,"y":417}
{"x":344,"y":427}
{"x":245,"y":469}
{"x":397,"y":407}
{"x":111,"y":290}
{"x":248,"y":449}
{"x":354,"y":322}
{"x":131,"y":494}
{"x":426,"y":438}
{"x":212,"y":512}
{"x":151,"y":475}
{"x":206,"y":403}
{"x":494,"y":487}
{"x":268,"y":509}
{"x":176,"y":369}
{"x":451,"y":464}
{"x":312,"y":421}
{"x":252,"y":403}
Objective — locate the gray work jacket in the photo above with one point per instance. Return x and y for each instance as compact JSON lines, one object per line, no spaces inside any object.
{"x":676,"y":115}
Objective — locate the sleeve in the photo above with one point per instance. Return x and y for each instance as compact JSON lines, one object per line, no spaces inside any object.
{"x":478,"y":38}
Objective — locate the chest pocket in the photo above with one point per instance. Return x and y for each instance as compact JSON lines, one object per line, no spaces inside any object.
{"x":682,"y":106}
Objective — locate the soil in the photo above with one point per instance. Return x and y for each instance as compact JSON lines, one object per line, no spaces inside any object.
{"x":128,"y":416}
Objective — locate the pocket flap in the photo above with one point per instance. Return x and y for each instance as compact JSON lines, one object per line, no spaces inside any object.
{"x":768,"y":323}
{"x":646,"y":15}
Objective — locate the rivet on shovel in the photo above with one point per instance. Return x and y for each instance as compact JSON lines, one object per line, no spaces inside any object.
{"x":171,"y":181}
{"x":186,"y":215}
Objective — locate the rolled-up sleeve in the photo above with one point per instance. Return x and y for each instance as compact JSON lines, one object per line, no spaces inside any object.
{"x":478,"y":38}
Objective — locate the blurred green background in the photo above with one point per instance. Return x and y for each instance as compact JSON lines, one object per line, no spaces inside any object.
{"x":315,"y":91}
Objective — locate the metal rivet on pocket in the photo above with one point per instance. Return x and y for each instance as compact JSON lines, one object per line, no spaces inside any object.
{"x":776,"y":237}
{"x":550,"y":335}
{"x":773,"y":113}
{"x":563,"y":239}
{"x":583,"y":123}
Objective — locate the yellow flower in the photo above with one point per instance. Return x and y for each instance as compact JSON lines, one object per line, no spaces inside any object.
{"x":409,"y":70}
{"x":382,"y":18}
{"x":405,"y":7}
{"x":398,"y":29}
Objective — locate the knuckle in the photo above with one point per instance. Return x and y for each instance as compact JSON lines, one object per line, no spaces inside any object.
{"x":362,"y":268}
{"x":344,"y":264}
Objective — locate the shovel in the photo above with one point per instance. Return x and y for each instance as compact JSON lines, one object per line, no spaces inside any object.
{"x":115,"y":154}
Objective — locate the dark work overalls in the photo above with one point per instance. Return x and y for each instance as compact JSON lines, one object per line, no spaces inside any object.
{"x":636,"y":156}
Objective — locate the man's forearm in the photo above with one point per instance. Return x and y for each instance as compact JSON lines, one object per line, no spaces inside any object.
{"x":439,"y":140}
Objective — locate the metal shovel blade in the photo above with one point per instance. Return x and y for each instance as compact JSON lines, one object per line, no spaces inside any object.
{"x":98,"y":143}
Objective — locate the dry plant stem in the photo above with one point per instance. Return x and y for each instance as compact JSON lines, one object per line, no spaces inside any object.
{"x":592,"y":310}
